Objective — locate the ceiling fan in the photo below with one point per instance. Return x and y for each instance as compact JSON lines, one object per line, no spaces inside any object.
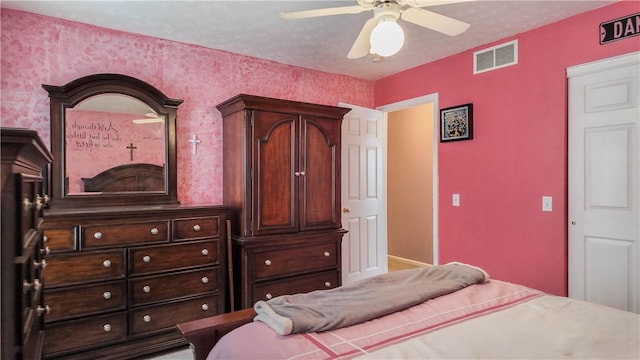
{"x":151,"y":118}
{"x":381,"y":34}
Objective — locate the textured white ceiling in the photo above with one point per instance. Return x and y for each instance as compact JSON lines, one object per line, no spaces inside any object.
{"x":255,"y":28}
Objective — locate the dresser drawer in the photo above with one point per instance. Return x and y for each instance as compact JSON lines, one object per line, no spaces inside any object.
{"x":124,"y":234}
{"x":299,"y":284}
{"x":277,"y":262}
{"x":165,"y":287}
{"x":149,"y":259}
{"x":63,"y":239}
{"x":166,"y":316}
{"x":78,"y":334}
{"x":66,"y":303}
{"x":196,"y":228}
{"x":77,"y":268}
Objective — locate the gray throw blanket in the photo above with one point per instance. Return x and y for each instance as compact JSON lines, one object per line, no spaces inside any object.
{"x":364,"y":300}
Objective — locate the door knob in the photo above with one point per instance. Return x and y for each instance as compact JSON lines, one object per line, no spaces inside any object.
{"x":346,"y":210}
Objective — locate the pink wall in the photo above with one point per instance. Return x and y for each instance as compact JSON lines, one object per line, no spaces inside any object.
{"x":519,"y":150}
{"x":40,"y":50}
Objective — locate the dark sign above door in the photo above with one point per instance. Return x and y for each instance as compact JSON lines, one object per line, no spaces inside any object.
{"x":621,"y":28}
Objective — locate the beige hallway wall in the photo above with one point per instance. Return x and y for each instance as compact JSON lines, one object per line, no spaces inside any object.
{"x":410,"y":183}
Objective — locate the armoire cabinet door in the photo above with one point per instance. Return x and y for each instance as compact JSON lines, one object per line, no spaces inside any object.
{"x":294,"y":173}
{"x":274,"y":163}
{"x":319,"y":190}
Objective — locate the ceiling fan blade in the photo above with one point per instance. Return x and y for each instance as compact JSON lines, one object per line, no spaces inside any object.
{"x":148,"y":121}
{"x":433,"y":21}
{"x":362,"y":45}
{"x":424,"y":3}
{"x":355,"y":9}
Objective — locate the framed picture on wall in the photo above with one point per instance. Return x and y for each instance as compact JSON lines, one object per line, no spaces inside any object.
{"x":456,"y":123}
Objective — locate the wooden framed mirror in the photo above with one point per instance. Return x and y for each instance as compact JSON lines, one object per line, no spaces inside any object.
{"x":113,"y":138}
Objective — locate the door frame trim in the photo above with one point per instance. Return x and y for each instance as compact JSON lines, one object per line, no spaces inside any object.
{"x":405,"y":104}
{"x":603,"y":64}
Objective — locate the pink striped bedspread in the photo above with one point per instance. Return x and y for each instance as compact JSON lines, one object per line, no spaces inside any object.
{"x":257,"y":341}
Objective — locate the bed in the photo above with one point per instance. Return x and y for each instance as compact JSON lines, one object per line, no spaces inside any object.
{"x":128,"y":177}
{"x":487,"y":319}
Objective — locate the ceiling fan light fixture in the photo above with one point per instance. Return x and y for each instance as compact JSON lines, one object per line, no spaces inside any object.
{"x":387,"y":37}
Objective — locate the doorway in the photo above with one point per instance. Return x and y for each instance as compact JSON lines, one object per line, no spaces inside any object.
{"x":408,"y":240}
{"x":364,"y":187}
{"x":409,"y":186}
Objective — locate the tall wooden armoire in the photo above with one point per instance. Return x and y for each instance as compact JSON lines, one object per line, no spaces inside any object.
{"x":282,"y":178}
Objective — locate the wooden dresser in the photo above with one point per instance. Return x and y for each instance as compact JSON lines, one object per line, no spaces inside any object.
{"x":22,"y":307}
{"x":120,"y":278}
{"x":282,"y":178}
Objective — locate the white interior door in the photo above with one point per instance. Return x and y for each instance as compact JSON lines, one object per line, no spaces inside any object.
{"x":604,"y":182}
{"x":364,"y":247}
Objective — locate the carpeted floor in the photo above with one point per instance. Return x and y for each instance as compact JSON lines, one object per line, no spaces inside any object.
{"x":395,"y":265}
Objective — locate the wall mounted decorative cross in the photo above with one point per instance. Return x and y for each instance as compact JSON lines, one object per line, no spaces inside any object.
{"x":194,"y":143}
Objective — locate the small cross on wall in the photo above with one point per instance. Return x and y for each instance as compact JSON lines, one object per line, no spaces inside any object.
{"x":194,"y":143}
{"x":131,"y":148}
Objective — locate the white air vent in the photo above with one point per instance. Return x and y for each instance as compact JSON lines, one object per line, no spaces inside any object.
{"x":495,"y":57}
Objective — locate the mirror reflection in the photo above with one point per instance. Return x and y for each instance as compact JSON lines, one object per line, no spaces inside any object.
{"x":114,"y":136}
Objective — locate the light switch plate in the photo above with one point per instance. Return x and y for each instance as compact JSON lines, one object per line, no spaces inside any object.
{"x":547,"y":203}
{"x":456,"y":199}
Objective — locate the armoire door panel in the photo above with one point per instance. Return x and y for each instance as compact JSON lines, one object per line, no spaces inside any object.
{"x":318,"y":185}
{"x":274,"y":166}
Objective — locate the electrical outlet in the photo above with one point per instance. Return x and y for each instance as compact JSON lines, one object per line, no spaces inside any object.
{"x":456,"y":199}
{"x":547,"y":203}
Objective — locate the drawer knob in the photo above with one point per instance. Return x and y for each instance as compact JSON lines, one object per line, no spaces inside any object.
{"x":146,"y":258}
{"x":204,"y":307}
{"x":35,"y":285}
{"x":39,"y":202}
{"x":45,"y":199}
{"x":43,"y":310}
{"x":97,"y":235}
{"x":154,"y":231}
{"x":327,"y":283}
{"x":268,"y":296}
{"x":106,"y":327}
{"x":147,"y":318}
{"x":205,"y":252}
{"x":45,"y":238}
{"x":146,"y":288}
{"x":40,"y":265}
{"x":327,"y":254}
{"x":26,"y":204}
{"x":267,"y":262}
{"x":196,"y":227}
{"x":45,"y":252}
{"x":107,"y":295}
{"x":205,"y":280}
{"x":106,"y":263}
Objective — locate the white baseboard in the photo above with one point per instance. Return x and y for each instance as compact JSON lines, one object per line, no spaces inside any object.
{"x":407,"y":261}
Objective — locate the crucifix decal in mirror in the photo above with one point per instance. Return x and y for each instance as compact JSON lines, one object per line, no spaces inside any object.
{"x":131,"y":148}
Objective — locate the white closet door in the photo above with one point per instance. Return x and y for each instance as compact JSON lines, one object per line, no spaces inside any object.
{"x":604,"y":182}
